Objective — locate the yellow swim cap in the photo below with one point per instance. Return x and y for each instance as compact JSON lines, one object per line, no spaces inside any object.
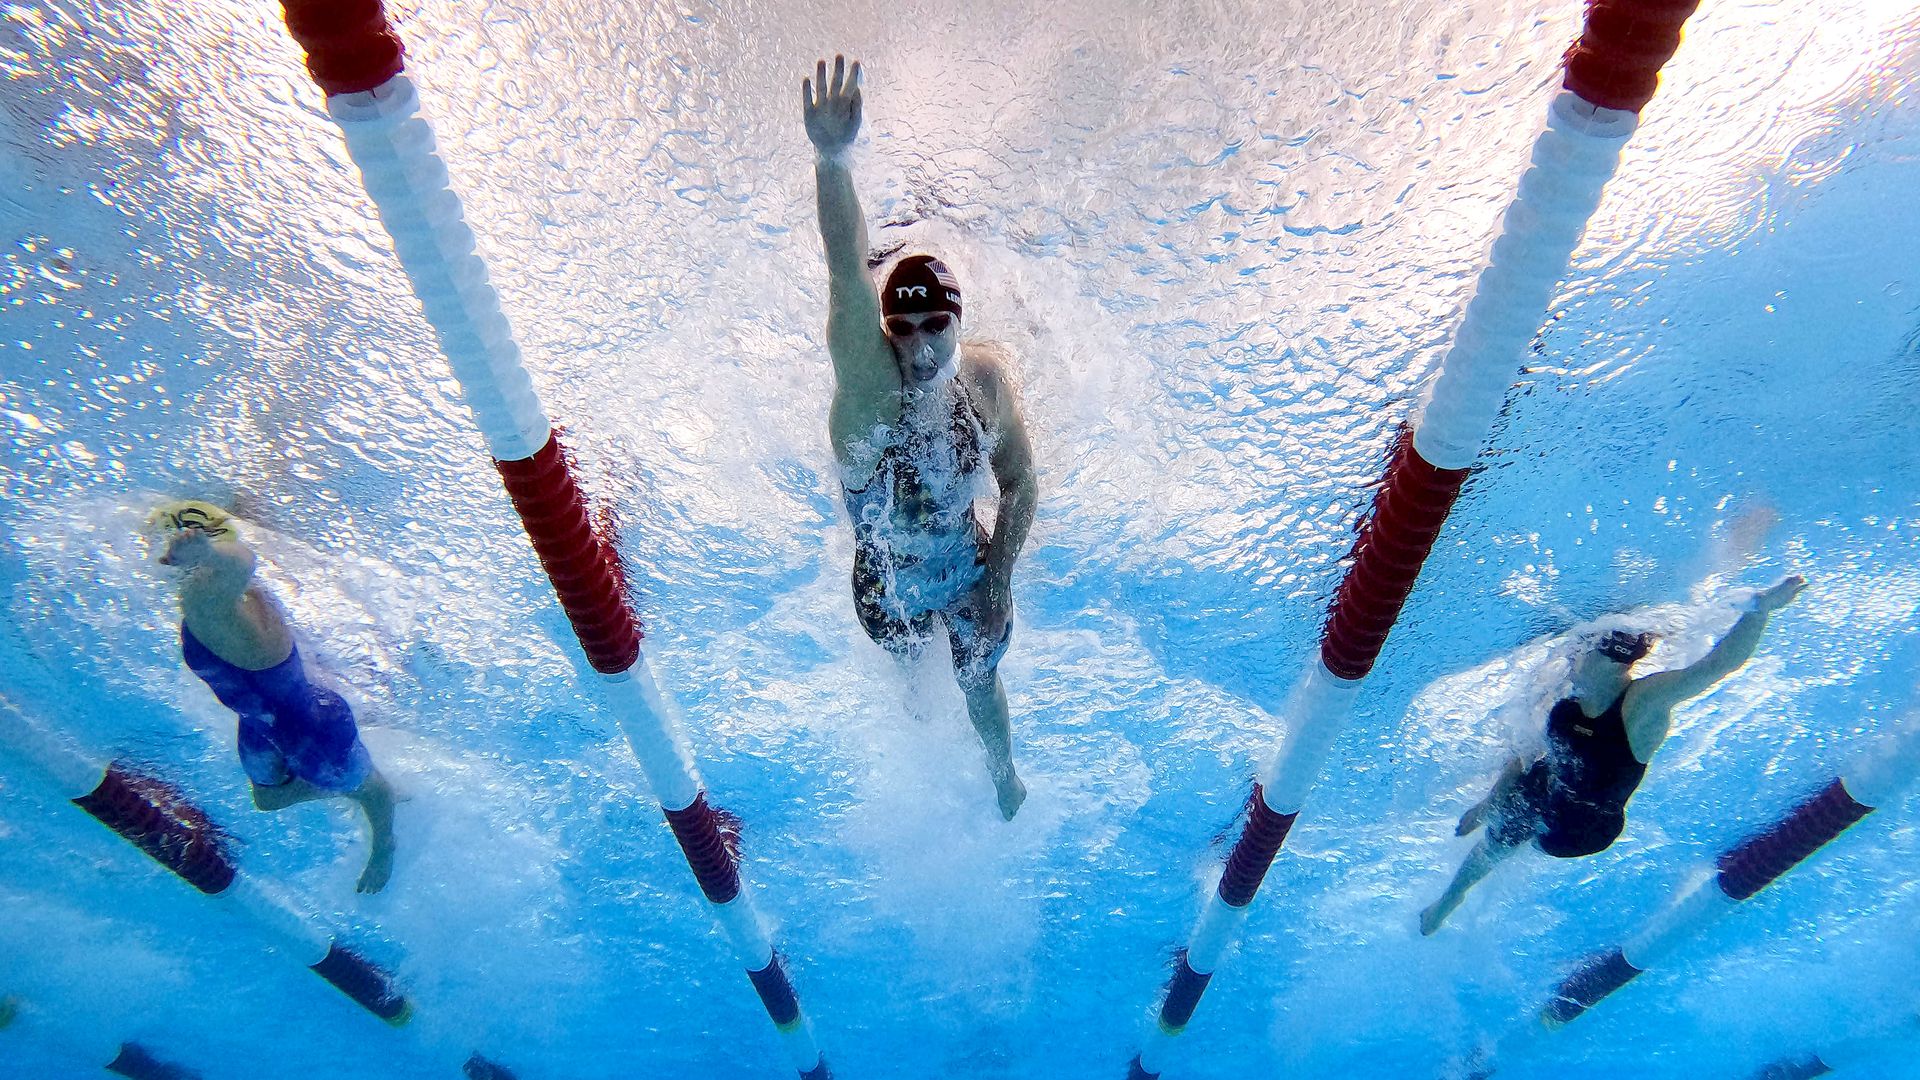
{"x":194,"y":514}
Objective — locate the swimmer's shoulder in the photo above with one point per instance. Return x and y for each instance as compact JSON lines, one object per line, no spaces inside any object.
{"x":990,"y":370}
{"x":987,"y":354}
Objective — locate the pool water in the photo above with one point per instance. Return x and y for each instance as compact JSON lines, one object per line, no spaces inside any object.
{"x":1229,"y":242}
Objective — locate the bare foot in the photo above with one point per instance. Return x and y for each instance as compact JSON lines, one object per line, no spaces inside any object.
{"x":379,"y":869}
{"x":1470,"y":820}
{"x":1430,"y":920}
{"x":1012,"y":794}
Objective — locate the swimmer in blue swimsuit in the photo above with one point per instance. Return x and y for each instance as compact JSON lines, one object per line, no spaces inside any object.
{"x":917,"y":419}
{"x":1572,"y":801}
{"x":298,"y":741}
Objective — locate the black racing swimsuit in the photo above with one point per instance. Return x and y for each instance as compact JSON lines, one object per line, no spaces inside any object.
{"x":1573,"y":801}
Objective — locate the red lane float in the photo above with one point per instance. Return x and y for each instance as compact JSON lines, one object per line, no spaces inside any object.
{"x":1813,"y":824}
{"x":154,"y":817}
{"x":1410,"y":506}
{"x":350,"y":48}
{"x":704,"y":839}
{"x":1616,"y":63}
{"x":356,"y":58}
{"x":1611,"y":73}
{"x":581,"y":563}
{"x":1253,"y":853}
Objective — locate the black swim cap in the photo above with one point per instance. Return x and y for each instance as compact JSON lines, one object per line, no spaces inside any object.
{"x":920,"y":283}
{"x":1624,"y":648}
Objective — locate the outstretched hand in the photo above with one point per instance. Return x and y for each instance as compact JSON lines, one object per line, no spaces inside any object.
{"x":1780,"y":595}
{"x":833,"y":113}
{"x":188,"y":548}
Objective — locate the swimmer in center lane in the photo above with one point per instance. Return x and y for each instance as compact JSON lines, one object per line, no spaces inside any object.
{"x":298,"y":741}
{"x":1572,"y":802}
{"x":916,"y":415}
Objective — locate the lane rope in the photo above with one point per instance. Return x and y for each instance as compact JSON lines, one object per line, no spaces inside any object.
{"x":357,"y":59}
{"x":1610,"y":74}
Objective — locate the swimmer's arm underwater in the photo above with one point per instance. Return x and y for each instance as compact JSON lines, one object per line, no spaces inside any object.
{"x":220,"y":603}
{"x":216,"y":571}
{"x":1013,"y":471}
{"x":862,"y":360}
{"x":1649,"y":702}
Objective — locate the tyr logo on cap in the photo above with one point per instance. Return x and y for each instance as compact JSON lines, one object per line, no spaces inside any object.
{"x":920,"y":283}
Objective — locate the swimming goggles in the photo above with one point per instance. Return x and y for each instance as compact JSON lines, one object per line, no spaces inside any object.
{"x":900,"y":326}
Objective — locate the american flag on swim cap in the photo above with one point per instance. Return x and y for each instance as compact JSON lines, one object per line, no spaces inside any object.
{"x":920,"y":283}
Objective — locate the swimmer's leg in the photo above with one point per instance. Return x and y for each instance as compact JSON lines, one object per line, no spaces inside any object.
{"x":280,"y":796}
{"x":976,"y":666}
{"x":332,"y":754}
{"x":987,"y":708}
{"x":891,"y":627}
{"x":1477,"y":815}
{"x":375,"y":797}
{"x":1487,"y":854}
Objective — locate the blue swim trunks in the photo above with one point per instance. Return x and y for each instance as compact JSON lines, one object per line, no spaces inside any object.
{"x":290,"y":729}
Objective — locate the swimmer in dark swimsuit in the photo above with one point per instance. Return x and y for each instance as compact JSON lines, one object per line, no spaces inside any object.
{"x":917,"y":419}
{"x":298,"y":741}
{"x":1572,"y":802}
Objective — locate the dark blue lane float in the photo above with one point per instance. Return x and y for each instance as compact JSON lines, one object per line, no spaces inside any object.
{"x":130,"y":1059}
{"x":136,"y":1063}
{"x":1800,"y":1068}
{"x":1864,"y":1051}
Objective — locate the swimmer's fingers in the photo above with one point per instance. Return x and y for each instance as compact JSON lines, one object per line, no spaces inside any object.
{"x":1789,"y":588}
{"x":831,"y":104}
{"x":1781,"y":594}
{"x":188,"y":547}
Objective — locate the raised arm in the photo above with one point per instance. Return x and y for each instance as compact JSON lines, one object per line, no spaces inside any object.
{"x":1649,"y":702}
{"x":862,"y":361}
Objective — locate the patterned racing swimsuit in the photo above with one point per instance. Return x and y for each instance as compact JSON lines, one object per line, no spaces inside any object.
{"x":919,"y":550}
